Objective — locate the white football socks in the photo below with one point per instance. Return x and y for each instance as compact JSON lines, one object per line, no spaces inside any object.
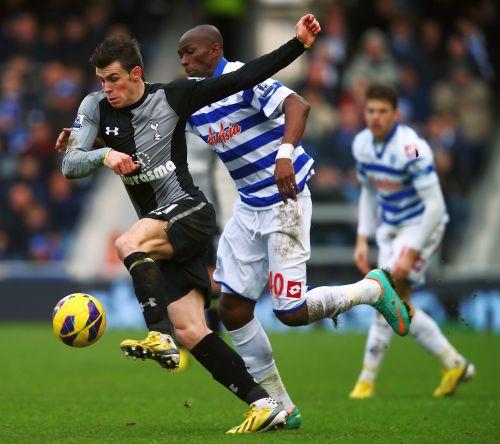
{"x":379,"y":338}
{"x":427,"y":333}
{"x":252,"y":344}
{"x":325,"y":302}
{"x":265,"y":403}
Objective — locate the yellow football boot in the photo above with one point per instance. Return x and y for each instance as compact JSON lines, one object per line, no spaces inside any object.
{"x":157,"y":346}
{"x":261,"y":419}
{"x":184,"y":360}
{"x":362,"y":390}
{"x":452,"y":377}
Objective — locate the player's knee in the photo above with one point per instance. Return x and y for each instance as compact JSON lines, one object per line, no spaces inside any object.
{"x":293,"y":319}
{"x":190,"y":335}
{"x":234,"y":313}
{"x":127,"y":244}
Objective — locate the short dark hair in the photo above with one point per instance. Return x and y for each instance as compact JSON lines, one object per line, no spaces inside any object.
{"x":121,"y":48}
{"x":381,"y":91}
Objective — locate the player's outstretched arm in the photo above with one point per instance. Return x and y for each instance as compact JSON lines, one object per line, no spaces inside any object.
{"x":367,"y":215}
{"x":188,"y":95}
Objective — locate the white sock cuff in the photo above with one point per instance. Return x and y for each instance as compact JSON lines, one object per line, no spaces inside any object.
{"x":245,"y":334}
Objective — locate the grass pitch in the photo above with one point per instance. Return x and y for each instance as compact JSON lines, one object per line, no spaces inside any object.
{"x":51,"y":393}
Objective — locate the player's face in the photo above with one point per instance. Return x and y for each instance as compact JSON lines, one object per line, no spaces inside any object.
{"x":121,"y":87}
{"x":380,"y":117}
{"x":198,"y":57}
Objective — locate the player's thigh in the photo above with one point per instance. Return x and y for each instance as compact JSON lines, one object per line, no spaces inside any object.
{"x":396,"y":244}
{"x":241,"y":267}
{"x":384,"y":237}
{"x":190,"y":225}
{"x":146,"y":235}
{"x":289,"y":250}
{"x":182,"y":277}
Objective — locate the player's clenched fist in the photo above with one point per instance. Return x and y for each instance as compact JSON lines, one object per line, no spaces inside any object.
{"x":120,"y":163}
{"x":307,"y":29}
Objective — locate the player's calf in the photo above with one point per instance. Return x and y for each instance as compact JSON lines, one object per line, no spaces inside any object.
{"x":294,"y":318}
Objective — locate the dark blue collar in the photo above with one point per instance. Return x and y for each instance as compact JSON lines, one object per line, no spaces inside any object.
{"x":220,"y":67}
{"x":380,"y":153}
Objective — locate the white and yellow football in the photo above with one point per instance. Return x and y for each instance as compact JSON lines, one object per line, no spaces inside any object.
{"x":78,"y":320}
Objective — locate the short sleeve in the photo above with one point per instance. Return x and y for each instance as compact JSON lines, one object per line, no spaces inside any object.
{"x":191,"y":127}
{"x":421,"y":167}
{"x":267,"y":96}
{"x":360,"y":171}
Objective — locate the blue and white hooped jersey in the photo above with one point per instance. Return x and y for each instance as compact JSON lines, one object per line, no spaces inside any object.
{"x":246,"y":130}
{"x":396,"y":169}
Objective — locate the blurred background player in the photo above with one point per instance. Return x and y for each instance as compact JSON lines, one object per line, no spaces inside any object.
{"x":401,"y":189}
{"x":147,"y":121}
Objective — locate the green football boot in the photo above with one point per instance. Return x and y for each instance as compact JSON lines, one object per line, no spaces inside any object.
{"x":393,"y":309}
{"x":294,"y":419}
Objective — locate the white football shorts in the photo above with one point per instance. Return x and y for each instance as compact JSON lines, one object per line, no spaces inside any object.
{"x":267,"y":247}
{"x":393,"y":241}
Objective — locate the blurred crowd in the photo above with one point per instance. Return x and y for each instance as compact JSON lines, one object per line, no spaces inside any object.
{"x":437,"y":53}
{"x":44,"y":51}
{"x":439,"y":57}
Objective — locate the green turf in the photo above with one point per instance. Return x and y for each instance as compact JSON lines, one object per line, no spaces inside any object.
{"x":51,"y":393}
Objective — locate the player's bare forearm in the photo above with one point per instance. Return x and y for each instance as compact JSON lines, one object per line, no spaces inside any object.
{"x":361,"y":253}
{"x":361,"y":239}
{"x":296,"y":110}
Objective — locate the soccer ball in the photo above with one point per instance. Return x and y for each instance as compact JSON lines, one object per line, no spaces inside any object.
{"x":78,"y":320}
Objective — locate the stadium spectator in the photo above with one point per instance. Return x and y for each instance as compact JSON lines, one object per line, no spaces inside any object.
{"x":373,"y":63}
{"x":440,"y":59}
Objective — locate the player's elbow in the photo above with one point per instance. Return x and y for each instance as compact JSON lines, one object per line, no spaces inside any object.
{"x":304,"y":106}
{"x":67,"y":170}
{"x":437,"y":206}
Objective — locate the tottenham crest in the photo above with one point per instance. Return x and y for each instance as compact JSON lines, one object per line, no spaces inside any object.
{"x":154,"y":124}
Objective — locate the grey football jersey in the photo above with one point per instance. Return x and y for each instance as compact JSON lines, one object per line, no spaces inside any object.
{"x":151,"y":131}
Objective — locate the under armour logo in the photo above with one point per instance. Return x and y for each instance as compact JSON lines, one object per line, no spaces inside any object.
{"x":233,"y":388}
{"x":114,"y":131}
{"x":151,"y":302}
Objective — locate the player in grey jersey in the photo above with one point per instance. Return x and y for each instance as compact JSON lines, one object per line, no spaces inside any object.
{"x":142,"y":126}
